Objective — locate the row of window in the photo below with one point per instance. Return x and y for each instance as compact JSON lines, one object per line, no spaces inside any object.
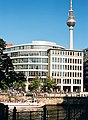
{"x":30,"y":60}
{"x":67,"y":74}
{"x":73,"y":53}
{"x":44,"y":67}
{"x":67,"y":60}
{"x":39,"y":73}
{"x":27,"y":47}
{"x":68,"y":81}
{"x":28,"y":53}
{"x":35,"y":73}
{"x":66,"y":67}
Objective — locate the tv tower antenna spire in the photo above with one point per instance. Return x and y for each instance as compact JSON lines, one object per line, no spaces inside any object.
{"x":71,"y":23}
{"x":70,"y":4}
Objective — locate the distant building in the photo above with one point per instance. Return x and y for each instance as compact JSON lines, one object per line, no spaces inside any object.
{"x":85,"y":69}
{"x":9,"y":44}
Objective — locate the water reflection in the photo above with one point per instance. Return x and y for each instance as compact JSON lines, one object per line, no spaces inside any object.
{"x":37,"y":113}
{"x":52,"y":113}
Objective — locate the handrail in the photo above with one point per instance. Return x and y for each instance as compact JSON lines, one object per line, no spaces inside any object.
{"x":66,"y":118}
{"x":76,"y":114}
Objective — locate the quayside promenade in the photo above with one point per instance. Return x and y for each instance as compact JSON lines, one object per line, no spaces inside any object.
{"x":68,"y":107}
{"x":48,"y":99}
{"x":68,"y":111}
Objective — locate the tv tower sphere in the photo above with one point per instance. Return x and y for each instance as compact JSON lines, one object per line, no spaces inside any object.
{"x":71,"y":20}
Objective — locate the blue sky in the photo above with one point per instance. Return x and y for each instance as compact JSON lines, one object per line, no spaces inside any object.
{"x":22,"y":21}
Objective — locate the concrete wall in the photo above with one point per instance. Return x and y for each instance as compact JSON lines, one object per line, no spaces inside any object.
{"x":51,"y":101}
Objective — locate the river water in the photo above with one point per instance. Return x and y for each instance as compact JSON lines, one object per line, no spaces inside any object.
{"x":53,"y":113}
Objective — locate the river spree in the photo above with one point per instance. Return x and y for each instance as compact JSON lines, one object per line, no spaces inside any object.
{"x":72,"y":107}
{"x":37,"y":113}
{"x":52,"y":113}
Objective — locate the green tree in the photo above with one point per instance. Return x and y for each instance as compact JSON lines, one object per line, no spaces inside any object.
{"x":35,"y":84}
{"x":19,"y":81}
{"x":3,"y":84}
{"x":48,"y":84}
{"x":5,"y":66}
{"x":2,"y":44}
{"x":7,"y":74}
{"x":20,"y":76}
{"x":20,"y":85}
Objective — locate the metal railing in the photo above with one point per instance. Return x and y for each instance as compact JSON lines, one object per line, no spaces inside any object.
{"x":75,"y":112}
{"x":44,"y":114}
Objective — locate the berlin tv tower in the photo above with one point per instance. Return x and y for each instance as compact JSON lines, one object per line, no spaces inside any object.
{"x":71,"y":23}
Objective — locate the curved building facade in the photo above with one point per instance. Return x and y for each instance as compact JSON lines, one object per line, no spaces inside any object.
{"x":31,"y":59}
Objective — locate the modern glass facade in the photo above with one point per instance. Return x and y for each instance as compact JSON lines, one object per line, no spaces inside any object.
{"x":31,"y":59}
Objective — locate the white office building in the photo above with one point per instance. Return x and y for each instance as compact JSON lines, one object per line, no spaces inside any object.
{"x":66,"y":67}
{"x":41,"y":58}
{"x":31,"y":59}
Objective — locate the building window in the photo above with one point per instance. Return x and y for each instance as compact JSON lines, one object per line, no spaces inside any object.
{"x":61,"y":52}
{"x":52,"y":59}
{"x":55,"y":59}
{"x":80,"y":67}
{"x":80,"y":74}
{"x":53,"y":52}
{"x":65,"y":67}
{"x":70,"y":53}
{"x":58,"y":81}
{"x":60,"y":60}
{"x":65,"y":60}
{"x":60,"y":67}
{"x":80,"y":61}
{"x":65,"y":52}
{"x":80,"y":53}
{"x":55,"y":67}
{"x":75,"y":60}
{"x":60,"y":73}
{"x":57,"y":73}
{"x":75,"y":74}
{"x":52,"y":66}
{"x":70,"y":67}
{"x":70,"y":60}
{"x":78,"y":81}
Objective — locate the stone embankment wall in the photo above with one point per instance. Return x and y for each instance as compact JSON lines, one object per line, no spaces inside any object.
{"x":51,"y":100}
{"x":7,"y":98}
{"x":46,"y":100}
{"x":4,"y":97}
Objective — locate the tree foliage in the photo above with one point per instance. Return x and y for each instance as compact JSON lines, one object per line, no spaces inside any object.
{"x":48,"y":84}
{"x":2,"y":44}
{"x":35,"y":84}
{"x":7,"y":74}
